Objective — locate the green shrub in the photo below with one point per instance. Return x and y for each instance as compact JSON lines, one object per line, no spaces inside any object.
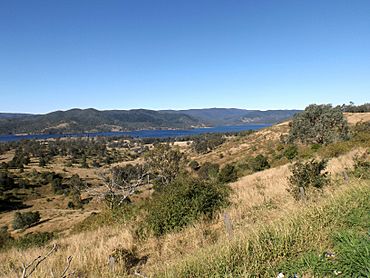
{"x":228,"y":174}
{"x":208,"y":170}
{"x":307,"y":175}
{"x":361,"y":167}
{"x":319,"y":124}
{"x":128,"y":258}
{"x":93,"y":221}
{"x":184,"y":201}
{"x":33,"y":240}
{"x":250,"y":165}
{"x":361,"y":127}
{"x":43,"y":161}
{"x":207,"y":142}
{"x":57,"y":184}
{"x":288,"y":244}
{"x":335,"y":149}
{"x":259,"y":163}
{"x":5,"y":237}
{"x":315,"y":147}
{"x":291,"y":152}
{"x":194,"y":165}
{"x":75,"y":185}
{"x":6,"y":181}
{"x":26,"y":219}
{"x":306,"y":152}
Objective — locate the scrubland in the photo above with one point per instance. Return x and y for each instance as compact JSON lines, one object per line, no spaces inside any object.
{"x":271,"y":232}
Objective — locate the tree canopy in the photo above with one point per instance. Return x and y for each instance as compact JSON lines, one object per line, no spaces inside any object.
{"x":319,"y":124}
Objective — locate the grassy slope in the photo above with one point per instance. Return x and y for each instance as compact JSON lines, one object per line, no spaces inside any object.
{"x":261,"y":142}
{"x":259,"y":199}
{"x":295,"y":244}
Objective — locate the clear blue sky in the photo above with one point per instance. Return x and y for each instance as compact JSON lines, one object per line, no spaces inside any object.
{"x":182,"y":54}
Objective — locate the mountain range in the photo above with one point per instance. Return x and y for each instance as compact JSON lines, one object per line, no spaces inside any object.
{"x":92,"y":120}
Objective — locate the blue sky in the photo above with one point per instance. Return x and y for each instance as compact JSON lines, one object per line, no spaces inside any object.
{"x":176,"y":54}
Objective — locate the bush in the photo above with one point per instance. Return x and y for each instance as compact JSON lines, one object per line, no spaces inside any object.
{"x":5,"y":237}
{"x":259,"y":163}
{"x":207,"y":142}
{"x":194,"y":165}
{"x":361,"y":127}
{"x":43,"y":161}
{"x":26,"y":219}
{"x":56,"y":181}
{"x":6,"y":181}
{"x":361,"y":167}
{"x":307,"y":175}
{"x":208,"y":170}
{"x":335,"y":149}
{"x":94,"y":221}
{"x":75,"y":185}
{"x":291,"y":152}
{"x":165,"y":164}
{"x":33,"y":240}
{"x":361,"y":134}
{"x":315,"y":147}
{"x":319,"y":124}
{"x":183,"y":202}
{"x":228,"y":174}
{"x":128,"y":258}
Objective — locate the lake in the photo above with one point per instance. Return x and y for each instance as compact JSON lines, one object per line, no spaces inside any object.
{"x":140,"y":133}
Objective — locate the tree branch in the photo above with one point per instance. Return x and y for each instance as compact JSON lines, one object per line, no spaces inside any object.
{"x":35,"y":263}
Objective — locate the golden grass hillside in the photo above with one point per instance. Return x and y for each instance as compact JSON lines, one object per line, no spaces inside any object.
{"x":354,"y":118}
{"x":327,"y":238}
{"x":258,"y":199}
{"x":260,"y":142}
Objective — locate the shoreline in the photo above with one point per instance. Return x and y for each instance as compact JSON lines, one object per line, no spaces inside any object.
{"x":143,"y":133}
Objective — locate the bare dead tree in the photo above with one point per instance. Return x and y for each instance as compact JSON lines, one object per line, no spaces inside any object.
{"x":28,"y":269}
{"x":65,"y":273}
{"x":119,"y":183}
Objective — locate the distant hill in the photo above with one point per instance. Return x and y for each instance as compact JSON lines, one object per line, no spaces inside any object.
{"x":233,"y":116}
{"x":92,"y":120}
{"x":13,"y":115}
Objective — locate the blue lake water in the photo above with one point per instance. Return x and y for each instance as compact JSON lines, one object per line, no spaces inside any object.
{"x":140,"y":133}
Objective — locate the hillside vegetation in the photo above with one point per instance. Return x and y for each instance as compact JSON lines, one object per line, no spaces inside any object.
{"x":208,"y":206}
{"x":232,"y":116}
{"x":92,"y":120}
{"x":319,"y":240}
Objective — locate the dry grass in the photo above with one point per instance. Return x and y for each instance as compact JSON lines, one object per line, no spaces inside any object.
{"x":54,"y":215}
{"x":53,"y":208}
{"x":237,"y":148}
{"x":354,"y":118}
{"x":90,"y":252}
{"x":257,"y":199}
{"x":7,"y":157}
{"x":293,"y":243}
